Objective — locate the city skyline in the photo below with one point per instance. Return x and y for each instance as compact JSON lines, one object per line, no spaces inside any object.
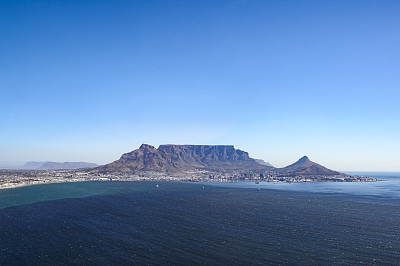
{"x":84,"y":81}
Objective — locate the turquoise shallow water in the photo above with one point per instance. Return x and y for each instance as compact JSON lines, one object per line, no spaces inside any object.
{"x":388,"y":188}
{"x":49,"y":192}
{"x":196,"y":223}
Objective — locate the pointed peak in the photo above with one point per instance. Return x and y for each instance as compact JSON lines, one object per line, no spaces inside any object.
{"x":304,"y":158}
{"x":146,"y":147}
{"x":304,"y":162}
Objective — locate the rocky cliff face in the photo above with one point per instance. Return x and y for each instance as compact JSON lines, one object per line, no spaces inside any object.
{"x":175,"y":158}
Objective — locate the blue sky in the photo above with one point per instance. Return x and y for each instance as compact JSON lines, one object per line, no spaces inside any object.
{"x":90,"y":80}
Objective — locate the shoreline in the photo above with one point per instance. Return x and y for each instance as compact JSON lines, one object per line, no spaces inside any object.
{"x":12,"y":185}
{"x":19,"y":178}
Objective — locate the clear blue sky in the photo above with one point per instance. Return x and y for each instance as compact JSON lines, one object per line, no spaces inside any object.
{"x":90,"y":80}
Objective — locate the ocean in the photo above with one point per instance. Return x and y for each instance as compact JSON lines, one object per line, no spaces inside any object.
{"x":100,"y":223}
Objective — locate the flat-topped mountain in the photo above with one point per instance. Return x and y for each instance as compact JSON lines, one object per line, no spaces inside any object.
{"x":306,"y":167}
{"x":177,"y":158}
{"x":58,"y":165}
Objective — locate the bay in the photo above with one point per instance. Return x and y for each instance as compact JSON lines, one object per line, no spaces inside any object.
{"x":196,"y":223}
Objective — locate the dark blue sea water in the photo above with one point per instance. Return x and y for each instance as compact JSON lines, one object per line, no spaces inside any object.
{"x":192,"y":223}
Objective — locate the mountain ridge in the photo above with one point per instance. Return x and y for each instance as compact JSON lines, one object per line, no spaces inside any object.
{"x":262,"y":162}
{"x":57,"y":165}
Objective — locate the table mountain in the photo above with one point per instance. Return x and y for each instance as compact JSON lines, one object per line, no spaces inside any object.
{"x":180,"y":158}
{"x":177,"y":158}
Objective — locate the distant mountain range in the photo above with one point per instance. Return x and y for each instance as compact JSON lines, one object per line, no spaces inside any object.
{"x":57,"y":165}
{"x":181,"y":158}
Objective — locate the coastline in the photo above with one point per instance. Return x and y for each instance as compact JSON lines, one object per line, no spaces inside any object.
{"x":55,"y":177}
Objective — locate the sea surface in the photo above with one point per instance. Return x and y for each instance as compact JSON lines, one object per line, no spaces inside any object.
{"x":244,"y":223}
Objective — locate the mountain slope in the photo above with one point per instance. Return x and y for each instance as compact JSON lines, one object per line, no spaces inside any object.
{"x":262,"y":162}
